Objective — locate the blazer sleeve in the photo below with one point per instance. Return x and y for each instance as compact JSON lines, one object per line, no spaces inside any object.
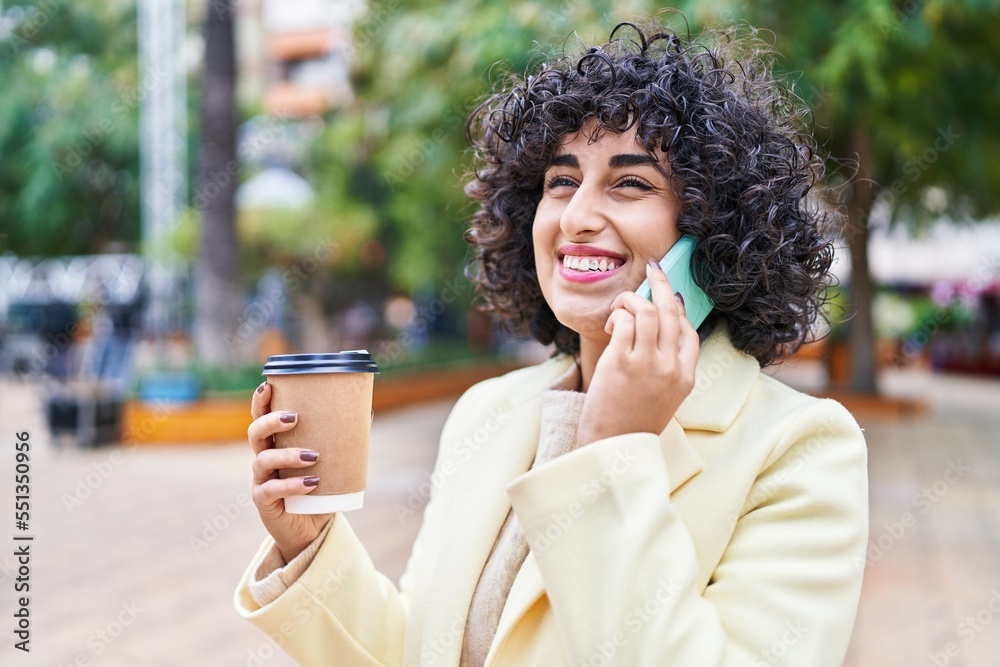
{"x":342,"y":610}
{"x":620,"y":567}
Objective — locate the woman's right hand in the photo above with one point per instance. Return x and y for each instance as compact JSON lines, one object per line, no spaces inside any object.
{"x":291,"y":532}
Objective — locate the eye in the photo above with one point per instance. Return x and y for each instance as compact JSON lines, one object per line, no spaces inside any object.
{"x":559,"y":181}
{"x":634,"y":182}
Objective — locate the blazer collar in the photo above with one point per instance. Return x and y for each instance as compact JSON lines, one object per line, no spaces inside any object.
{"x":723,"y":380}
{"x":724,"y":377}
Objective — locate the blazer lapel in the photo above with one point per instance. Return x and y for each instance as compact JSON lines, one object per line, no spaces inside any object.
{"x":683,"y":461}
{"x":481,"y":506}
{"x":723,"y":380}
{"x":528,"y":587}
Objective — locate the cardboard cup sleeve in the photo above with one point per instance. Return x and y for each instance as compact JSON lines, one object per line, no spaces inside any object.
{"x":334,"y":418}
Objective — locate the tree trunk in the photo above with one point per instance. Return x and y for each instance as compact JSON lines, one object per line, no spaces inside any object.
{"x":861,"y":326}
{"x":217,"y":293}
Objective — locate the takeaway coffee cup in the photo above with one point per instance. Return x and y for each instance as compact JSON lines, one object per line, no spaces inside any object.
{"x":332,"y":394}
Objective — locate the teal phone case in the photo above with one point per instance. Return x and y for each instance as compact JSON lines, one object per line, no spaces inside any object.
{"x":677,"y":266}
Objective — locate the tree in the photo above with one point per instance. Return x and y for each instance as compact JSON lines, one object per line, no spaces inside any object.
{"x":69,"y":155}
{"x":216,"y":271}
{"x":908,"y":91}
{"x":419,"y":70}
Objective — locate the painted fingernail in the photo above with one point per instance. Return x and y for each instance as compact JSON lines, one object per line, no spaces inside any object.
{"x":654,"y":264}
{"x":680,"y":298}
{"x":310,"y":481}
{"x":260,"y":389}
{"x":308,"y":455}
{"x":288,"y":417}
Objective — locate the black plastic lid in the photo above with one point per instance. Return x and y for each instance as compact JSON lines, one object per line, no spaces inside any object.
{"x":354,"y":361}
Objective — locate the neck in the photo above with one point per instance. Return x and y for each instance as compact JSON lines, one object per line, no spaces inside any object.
{"x":590,"y":351}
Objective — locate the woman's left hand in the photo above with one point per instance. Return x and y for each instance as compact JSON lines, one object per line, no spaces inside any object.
{"x":646,"y":371}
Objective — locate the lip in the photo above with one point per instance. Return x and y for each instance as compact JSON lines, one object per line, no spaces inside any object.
{"x":573,"y":249}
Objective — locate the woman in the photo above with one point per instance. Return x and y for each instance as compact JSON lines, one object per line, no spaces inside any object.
{"x":646,"y":496}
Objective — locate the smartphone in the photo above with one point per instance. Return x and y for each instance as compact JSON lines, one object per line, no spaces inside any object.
{"x":677,"y":265}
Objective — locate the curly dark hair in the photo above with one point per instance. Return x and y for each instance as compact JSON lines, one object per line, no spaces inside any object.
{"x":742,"y":163}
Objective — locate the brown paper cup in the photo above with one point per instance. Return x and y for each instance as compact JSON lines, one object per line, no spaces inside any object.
{"x":332,"y":394}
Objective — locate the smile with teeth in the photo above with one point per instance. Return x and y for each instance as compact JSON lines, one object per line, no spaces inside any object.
{"x":578,"y":263}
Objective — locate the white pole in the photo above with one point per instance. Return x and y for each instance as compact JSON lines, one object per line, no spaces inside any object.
{"x":163,"y":154}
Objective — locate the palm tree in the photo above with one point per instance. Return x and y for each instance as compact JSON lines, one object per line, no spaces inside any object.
{"x":217,"y":295}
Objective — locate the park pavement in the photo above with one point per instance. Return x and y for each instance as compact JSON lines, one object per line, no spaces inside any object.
{"x":137,"y":551}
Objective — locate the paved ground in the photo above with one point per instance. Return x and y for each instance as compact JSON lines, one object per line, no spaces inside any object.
{"x":137,"y":551}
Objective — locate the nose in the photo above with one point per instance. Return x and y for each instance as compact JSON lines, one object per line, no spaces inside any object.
{"x":584,"y":214}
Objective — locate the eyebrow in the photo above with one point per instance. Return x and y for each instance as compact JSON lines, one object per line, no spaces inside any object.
{"x":633,"y":160}
{"x":565,"y":160}
{"x":616,"y":162}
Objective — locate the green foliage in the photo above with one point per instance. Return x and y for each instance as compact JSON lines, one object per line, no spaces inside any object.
{"x":918,"y":78}
{"x":900,"y":317}
{"x":218,"y":380}
{"x":69,"y":158}
{"x":438,"y":356}
{"x":419,"y":70}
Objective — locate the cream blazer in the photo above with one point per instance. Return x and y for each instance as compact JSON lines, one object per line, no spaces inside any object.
{"x":735,"y":537}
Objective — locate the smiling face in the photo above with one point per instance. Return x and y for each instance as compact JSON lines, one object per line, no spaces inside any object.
{"x":606,"y":210}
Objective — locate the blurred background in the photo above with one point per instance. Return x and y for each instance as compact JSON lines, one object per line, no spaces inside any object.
{"x":189,"y":187}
